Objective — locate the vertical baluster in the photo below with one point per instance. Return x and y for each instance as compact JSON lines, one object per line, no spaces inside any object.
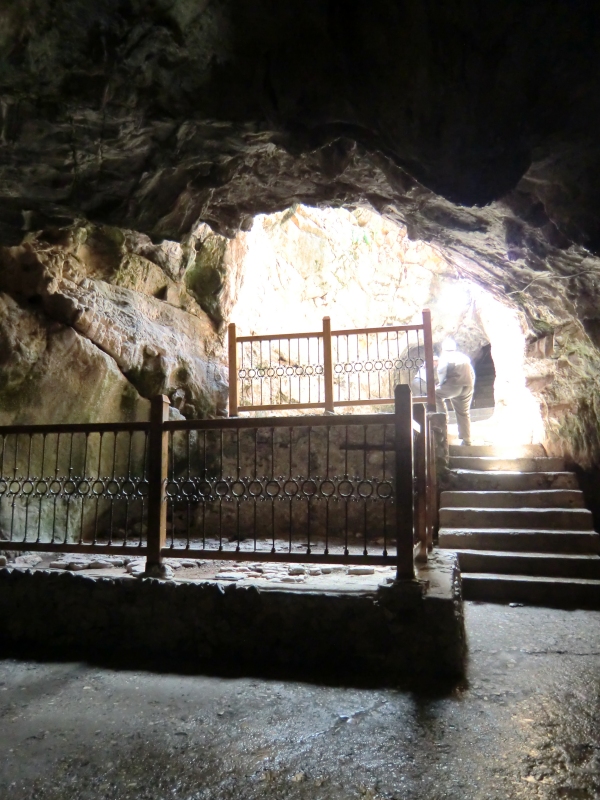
{"x":143,"y":508}
{"x":378,"y":361}
{"x":420,"y":357}
{"x":255,"y":479}
{"x":221,"y":477}
{"x":82,"y":483}
{"x":368,"y":371}
{"x":233,"y":369}
{"x":98,"y":487}
{"x":26,"y":494}
{"x":15,"y":488}
{"x":237,"y":499}
{"x":111,"y":494}
{"x":127,"y":483}
{"x":346,"y":501}
{"x":38,"y":488}
{"x":290,"y":498}
{"x":328,"y":495}
{"x":308,"y":477}
{"x":385,"y":499}
{"x":274,"y":478}
{"x":365,"y":499}
{"x":205,"y":494}
{"x":328,"y":364}
{"x":56,"y":484}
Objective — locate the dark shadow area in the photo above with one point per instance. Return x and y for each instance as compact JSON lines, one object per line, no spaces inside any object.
{"x":327,"y":675}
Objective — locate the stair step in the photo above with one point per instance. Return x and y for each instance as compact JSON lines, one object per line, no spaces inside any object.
{"x":490,"y":463}
{"x":511,"y":481}
{"x":533,"y":590}
{"x":567,"y":519}
{"x":544,"y":498}
{"x":521,"y":540}
{"x":519,"y":451}
{"x":556,"y":565}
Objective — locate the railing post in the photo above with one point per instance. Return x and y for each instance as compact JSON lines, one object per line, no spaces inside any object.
{"x":327,"y":364}
{"x":420,"y":459}
{"x":158,"y":453}
{"x":428,"y":342}
{"x":404,"y":481}
{"x":432,"y":488}
{"x":233,"y":370}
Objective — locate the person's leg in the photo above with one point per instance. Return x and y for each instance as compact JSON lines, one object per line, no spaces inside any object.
{"x":444,"y":392}
{"x":462,"y":405}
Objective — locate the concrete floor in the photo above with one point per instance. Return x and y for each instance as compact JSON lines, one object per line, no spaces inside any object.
{"x":526,"y":724}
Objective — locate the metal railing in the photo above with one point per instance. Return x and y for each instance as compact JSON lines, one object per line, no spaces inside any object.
{"x":347,"y":489}
{"x":330,"y":368}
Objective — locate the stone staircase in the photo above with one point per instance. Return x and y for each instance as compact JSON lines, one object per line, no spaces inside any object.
{"x":518,"y":522}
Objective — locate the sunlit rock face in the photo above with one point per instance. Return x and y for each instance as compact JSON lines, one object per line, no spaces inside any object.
{"x":90,"y":327}
{"x":473,"y":125}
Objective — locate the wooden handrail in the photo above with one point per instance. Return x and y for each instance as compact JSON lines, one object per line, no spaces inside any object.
{"x":384,"y":329}
{"x":276,"y":337}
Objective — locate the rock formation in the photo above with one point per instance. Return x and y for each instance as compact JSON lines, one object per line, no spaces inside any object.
{"x":475,"y":126}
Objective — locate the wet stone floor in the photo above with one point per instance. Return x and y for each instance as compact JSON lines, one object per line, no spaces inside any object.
{"x":526,"y":723}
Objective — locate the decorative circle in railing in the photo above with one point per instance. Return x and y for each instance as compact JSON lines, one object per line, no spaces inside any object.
{"x":221,"y":488}
{"x":346,"y":489}
{"x":309,"y":488}
{"x":346,"y":367}
{"x":365,"y":489}
{"x":384,"y":490}
{"x":272,"y":488}
{"x":255,"y":488}
{"x":112,"y":488}
{"x":238,"y":489}
{"x":327,"y":488}
{"x":291,"y":488}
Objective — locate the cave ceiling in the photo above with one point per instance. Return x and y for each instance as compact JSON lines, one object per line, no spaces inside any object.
{"x":473,"y":123}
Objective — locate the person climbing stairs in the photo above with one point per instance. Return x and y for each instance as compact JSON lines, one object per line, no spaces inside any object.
{"x":518,"y":522}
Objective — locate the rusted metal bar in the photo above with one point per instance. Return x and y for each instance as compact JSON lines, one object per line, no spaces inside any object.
{"x":327,"y":365}
{"x":420,"y":460}
{"x":278,"y":422}
{"x":233,"y":370}
{"x":404,"y":482}
{"x":158,"y":455}
{"x":429,"y":359}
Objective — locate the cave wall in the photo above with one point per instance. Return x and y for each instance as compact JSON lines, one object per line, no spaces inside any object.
{"x":472,"y":124}
{"x":95,"y":321}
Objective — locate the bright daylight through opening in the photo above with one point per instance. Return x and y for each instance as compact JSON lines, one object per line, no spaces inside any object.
{"x":362,"y":270}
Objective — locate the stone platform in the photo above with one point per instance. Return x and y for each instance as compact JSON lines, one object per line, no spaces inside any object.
{"x":334,"y":623}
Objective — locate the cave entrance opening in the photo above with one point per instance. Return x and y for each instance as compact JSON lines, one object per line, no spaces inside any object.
{"x":363,"y":270}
